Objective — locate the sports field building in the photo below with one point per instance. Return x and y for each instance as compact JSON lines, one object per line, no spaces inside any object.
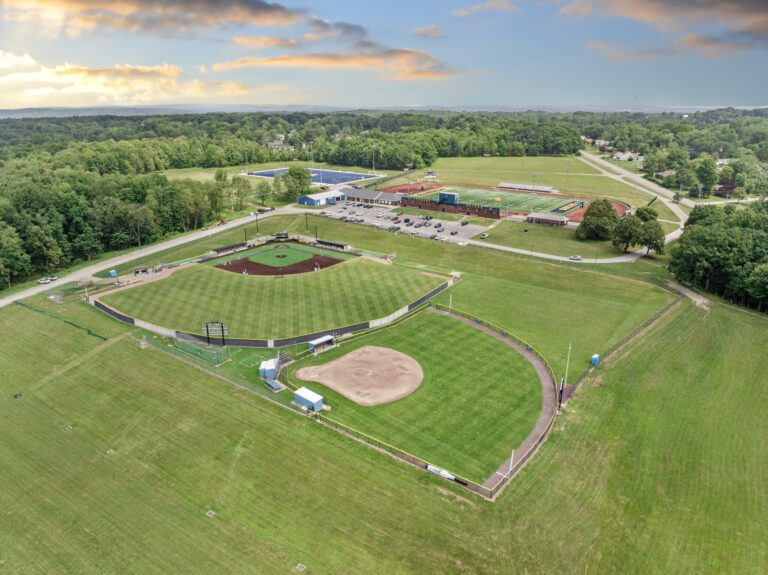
{"x":549,"y":219}
{"x":526,"y":188}
{"x":322,"y":198}
{"x":373,"y":197}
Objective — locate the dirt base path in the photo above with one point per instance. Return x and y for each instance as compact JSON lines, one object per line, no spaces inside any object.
{"x":548,"y":409}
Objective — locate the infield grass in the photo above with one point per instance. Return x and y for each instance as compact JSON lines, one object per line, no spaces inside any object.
{"x":273,"y":307}
{"x":467,"y":415}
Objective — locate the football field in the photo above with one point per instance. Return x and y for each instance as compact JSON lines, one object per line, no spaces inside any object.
{"x":509,"y":201}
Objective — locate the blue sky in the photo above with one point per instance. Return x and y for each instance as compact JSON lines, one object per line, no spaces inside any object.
{"x":471,"y":53}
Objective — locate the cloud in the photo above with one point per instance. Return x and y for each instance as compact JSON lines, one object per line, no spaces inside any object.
{"x":399,"y":63}
{"x":28,"y":82}
{"x":429,"y":31}
{"x":260,"y":42}
{"x":709,"y":46}
{"x":745,"y":21}
{"x":169,"y":17}
{"x":10,"y":62}
{"x":488,"y":6}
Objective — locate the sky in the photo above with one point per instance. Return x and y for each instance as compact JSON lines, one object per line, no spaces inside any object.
{"x":518,"y":53}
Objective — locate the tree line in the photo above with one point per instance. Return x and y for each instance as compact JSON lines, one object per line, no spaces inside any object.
{"x":724,"y":250}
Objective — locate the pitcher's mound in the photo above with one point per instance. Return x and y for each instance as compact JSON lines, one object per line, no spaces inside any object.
{"x":370,"y":375}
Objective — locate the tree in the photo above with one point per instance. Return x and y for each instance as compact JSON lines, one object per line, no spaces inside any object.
{"x":652,"y":237}
{"x":14,"y":261}
{"x":706,"y":172}
{"x":277,"y":186}
{"x":647,"y":214}
{"x":627,"y":233}
{"x":297,"y":183}
{"x":757,"y":285}
{"x":263,"y":191}
{"x":599,"y":221}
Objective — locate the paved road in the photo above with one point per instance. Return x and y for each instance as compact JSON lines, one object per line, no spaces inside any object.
{"x":87,"y":272}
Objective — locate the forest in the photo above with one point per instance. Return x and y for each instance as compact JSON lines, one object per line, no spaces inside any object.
{"x":74,"y":188}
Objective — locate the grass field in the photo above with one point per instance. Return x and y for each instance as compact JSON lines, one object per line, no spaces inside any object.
{"x":656,"y":466}
{"x":268,"y":255}
{"x":271,"y":307}
{"x":466,"y":416}
{"x":511,"y":201}
{"x":548,"y":239}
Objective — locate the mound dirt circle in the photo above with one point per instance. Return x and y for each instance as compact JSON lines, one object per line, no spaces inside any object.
{"x":370,"y":375}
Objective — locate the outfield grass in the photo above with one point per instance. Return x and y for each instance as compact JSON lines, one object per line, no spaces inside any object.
{"x":656,"y":466}
{"x":511,"y":201}
{"x":548,"y":239}
{"x":272,"y":307}
{"x":467,"y":415}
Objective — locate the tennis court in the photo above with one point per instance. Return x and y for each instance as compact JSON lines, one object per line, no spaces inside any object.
{"x":509,"y":201}
{"x":321,"y":176}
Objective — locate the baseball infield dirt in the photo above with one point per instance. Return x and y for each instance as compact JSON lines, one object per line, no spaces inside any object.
{"x":370,"y":375}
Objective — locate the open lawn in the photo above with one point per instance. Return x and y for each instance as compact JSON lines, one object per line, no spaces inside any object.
{"x":272,"y":307}
{"x":548,"y":239}
{"x":656,"y":466}
{"x":467,"y":415}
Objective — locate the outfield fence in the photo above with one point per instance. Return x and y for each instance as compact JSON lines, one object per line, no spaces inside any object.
{"x":629,"y":337}
{"x":268,"y":343}
{"x":62,"y":319}
{"x":496,"y":483}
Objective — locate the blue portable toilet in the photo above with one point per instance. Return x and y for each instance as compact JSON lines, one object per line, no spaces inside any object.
{"x":595,"y":359}
{"x":112,"y":273}
{"x":308,"y":398}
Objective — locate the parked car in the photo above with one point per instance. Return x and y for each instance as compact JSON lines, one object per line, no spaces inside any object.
{"x":454,"y":232}
{"x":43,"y":281}
{"x":52,"y":278}
{"x":484,"y":236}
{"x":464,"y":222}
{"x":575,"y":258}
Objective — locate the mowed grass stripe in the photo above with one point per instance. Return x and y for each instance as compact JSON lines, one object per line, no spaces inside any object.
{"x":479,"y":398}
{"x":267,"y":307}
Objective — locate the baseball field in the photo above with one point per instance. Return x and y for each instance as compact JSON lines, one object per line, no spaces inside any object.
{"x":118,"y":459}
{"x":271,"y":307}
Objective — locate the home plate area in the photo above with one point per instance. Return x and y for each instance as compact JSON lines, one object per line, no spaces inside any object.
{"x":370,"y":375}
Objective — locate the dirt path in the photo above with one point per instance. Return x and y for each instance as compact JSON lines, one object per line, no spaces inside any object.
{"x":696,"y":297}
{"x":548,"y":395}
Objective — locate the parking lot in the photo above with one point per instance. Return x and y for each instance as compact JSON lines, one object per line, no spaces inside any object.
{"x":389,"y":219}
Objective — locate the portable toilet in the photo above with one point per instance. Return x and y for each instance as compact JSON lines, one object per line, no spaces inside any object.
{"x":308,"y":398}
{"x":268,"y":369}
{"x":595,"y":359}
{"x":112,"y":273}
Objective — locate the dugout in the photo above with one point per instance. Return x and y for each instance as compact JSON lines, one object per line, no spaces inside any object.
{"x":308,"y":399}
{"x":321,"y":343}
{"x":268,"y":369}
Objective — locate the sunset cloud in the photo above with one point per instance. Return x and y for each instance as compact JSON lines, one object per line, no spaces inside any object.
{"x":74,"y":17}
{"x":27,"y":81}
{"x":260,"y":42}
{"x":489,"y":6}
{"x":400,"y":64}
{"x":709,"y":46}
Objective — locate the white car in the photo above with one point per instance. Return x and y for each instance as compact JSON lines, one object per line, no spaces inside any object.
{"x":575,"y":258}
{"x":43,"y":281}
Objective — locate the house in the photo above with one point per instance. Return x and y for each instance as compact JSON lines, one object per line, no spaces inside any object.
{"x":624,"y":156}
{"x":725,"y":190}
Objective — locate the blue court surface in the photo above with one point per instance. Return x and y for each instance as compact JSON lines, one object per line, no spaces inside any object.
{"x":321,"y":176}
